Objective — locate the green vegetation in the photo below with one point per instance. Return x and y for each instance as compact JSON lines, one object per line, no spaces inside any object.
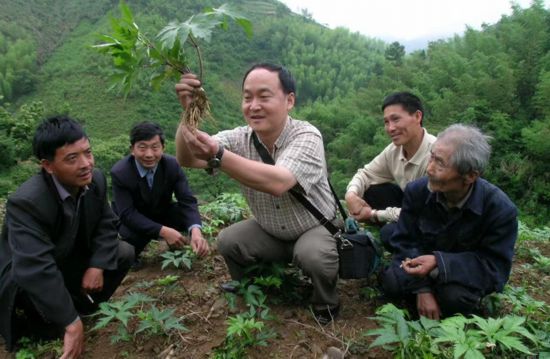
{"x":492,"y":78}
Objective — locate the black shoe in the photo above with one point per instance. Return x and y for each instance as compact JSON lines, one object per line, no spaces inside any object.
{"x":229,"y":287}
{"x":325,"y":316}
{"x":137,"y":265}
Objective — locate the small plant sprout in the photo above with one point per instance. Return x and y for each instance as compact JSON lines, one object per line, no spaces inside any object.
{"x":178,"y":258}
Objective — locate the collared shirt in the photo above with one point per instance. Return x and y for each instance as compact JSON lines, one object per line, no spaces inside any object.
{"x":391,"y":165}
{"x":146,"y":172}
{"x":299,"y":149}
{"x":70,"y":204}
{"x":150,"y":173}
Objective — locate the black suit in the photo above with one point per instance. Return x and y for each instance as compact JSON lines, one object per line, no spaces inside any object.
{"x":143,"y":211}
{"x":43,"y":255}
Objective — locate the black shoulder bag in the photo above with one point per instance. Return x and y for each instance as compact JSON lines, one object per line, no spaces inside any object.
{"x":358,"y":252}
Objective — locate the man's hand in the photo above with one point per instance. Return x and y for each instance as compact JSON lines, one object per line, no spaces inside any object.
{"x":427,"y":306}
{"x":198,"y":243}
{"x":73,"y":341}
{"x":420,"y":266}
{"x":172,"y":237}
{"x":92,"y":281}
{"x":358,"y":208}
{"x":188,"y":83}
{"x":201,"y":145}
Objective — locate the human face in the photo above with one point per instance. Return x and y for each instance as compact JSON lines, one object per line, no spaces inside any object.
{"x":148,"y":153}
{"x":72,"y":165}
{"x":265,"y":106}
{"x":402,"y":127}
{"x":444,"y":177}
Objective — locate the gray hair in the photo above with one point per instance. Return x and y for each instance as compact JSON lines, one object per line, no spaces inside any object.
{"x":471,"y":148}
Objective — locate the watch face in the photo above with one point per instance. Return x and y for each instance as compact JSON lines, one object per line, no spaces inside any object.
{"x":214,"y":163}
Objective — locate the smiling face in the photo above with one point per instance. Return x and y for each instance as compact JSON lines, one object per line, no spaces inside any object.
{"x":265,"y":106}
{"x":402,"y":127}
{"x":72,"y":165}
{"x":148,"y":152}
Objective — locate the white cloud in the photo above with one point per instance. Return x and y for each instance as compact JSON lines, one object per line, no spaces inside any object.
{"x":406,"y":20}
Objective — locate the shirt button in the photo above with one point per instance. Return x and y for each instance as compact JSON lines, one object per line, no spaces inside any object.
{"x":283,"y":227}
{"x":277,"y":206}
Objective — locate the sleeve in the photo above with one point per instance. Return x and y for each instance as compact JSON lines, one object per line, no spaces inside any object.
{"x":492,"y":259}
{"x":390,"y":214}
{"x":34,"y":267}
{"x":128,"y":213}
{"x":406,"y":238}
{"x":376,"y":171}
{"x":104,"y":241}
{"x":304,"y":157}
{"x":186,"y":200}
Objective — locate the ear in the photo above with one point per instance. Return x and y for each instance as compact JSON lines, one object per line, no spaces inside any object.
{"x":471,"y":177}
{"x":418,"y":116}
{"x":47,"y":165}
{"x":290,"y":100}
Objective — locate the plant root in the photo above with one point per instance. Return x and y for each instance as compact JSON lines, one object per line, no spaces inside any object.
{"x":197,"y":111}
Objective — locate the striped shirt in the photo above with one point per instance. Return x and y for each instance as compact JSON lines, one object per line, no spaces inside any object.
{"x":299,"y":149}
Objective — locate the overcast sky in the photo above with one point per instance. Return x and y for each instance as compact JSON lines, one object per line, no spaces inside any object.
{"x":411,"y":22}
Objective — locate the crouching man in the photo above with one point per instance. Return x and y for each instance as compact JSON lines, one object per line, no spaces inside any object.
{"x":59,"y":252}
{"x":455,"y":236}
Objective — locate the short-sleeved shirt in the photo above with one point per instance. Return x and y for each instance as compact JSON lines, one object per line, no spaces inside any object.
{"x":299,"y":149}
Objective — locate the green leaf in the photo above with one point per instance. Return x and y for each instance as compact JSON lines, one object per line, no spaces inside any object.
{"x":514,"y":343}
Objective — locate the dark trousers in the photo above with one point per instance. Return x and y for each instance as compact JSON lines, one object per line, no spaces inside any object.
{"x":28,"y":322}
{"x":452,"y":298}
{"x":382,"y":196}
{"x":172,"y":217}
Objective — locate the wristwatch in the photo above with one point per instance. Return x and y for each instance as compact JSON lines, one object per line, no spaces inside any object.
{"x":216,"y":161}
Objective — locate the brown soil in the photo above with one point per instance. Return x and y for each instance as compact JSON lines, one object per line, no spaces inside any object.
{"x":198,"y":299}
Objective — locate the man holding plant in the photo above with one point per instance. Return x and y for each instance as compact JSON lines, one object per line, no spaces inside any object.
{"x":455,"y":237}
{"x":282,"y":229}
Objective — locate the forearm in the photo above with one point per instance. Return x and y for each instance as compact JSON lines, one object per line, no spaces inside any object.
{"x":275,"y":180}
{"x":184,"y":156}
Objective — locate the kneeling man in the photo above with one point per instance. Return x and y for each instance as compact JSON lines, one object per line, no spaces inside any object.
{"x":455,"y":236}
{"x":59,"y":252}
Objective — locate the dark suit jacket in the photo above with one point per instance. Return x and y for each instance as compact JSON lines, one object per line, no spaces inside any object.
{"x":142,"y":209}
{"x":36,"y":243}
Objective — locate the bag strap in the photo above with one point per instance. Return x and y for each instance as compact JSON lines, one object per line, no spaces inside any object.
{"x":266,"y":158}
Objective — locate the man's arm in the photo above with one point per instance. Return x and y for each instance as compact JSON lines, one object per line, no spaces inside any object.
{"x":490,"y":263}
{"x":33,"y":265}
{"x":377,"y":171}
{"x":129,"y":215}
{"x":275,"y":180}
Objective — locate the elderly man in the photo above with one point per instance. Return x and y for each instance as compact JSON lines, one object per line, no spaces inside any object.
{"x":375,"y":192}
{"x":282,"y":230}
{"x":59,"y":252}
{"x":455,"y":236}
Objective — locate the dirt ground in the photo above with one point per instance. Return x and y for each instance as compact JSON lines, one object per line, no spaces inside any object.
{"x":202,"y":305}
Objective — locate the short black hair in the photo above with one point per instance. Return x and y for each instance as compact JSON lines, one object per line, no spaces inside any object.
{"x":285,"y":77}
{"x":144,"y":131}
{"x":53,"y":133}
{"x":410,"y":102}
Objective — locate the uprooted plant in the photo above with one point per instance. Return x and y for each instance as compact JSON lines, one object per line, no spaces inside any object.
{"x":167,"y":53}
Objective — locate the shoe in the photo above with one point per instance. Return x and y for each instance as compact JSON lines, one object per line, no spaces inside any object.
{"x":325,"y":316}
{"x":137,"y":265}
{"x":229,"y":287}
